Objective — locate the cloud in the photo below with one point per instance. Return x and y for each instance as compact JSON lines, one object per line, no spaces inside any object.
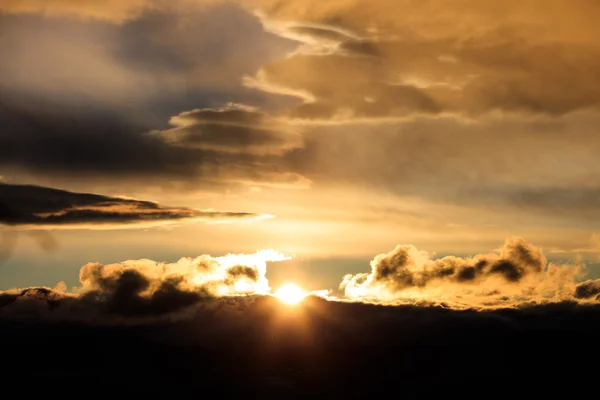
{"x":588,"y":289}
{"x":103,"y":9}
{"x":540,"y":169}
{"x":517,"y":277}
{"x":44,"y":138}
{"x":232,"y":129}
{"x":42,"y":207}
{"x":212,"y":319}
{"x":518,"y":273}
{"x":154,"y":65}
{"x":146,"y":288}
{"x":162,"y":60}
{"x":396,"y":59}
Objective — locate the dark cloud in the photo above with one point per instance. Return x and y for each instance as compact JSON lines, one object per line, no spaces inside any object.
{"x":62,"y":120}
{"x":588,"y":290}
{"x":243,"y":271}
{"x":45,"y":138}
{"x":232,"y":129}
{"x":130,"y":292}
{"x":35,"y":206}
{"x":255,"y":345}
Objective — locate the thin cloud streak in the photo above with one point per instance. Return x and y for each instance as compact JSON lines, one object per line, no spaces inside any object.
{"x":36,"y":207}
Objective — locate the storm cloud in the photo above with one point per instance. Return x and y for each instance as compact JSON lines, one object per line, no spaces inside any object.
{"x":42,"y":207}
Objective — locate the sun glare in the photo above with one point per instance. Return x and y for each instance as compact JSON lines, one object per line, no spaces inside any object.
{"x":290,"y":293}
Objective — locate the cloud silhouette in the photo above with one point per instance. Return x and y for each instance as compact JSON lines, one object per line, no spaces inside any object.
{"x":36,"y":206}
{"x":256,"y":345}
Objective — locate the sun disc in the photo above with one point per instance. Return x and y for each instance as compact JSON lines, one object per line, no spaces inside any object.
{"x":290,"y":293}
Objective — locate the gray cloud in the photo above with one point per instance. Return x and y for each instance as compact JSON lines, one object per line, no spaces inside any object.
{"x":157,"y":63}
{"x":35,"y":206}
{"x":45,"y":138}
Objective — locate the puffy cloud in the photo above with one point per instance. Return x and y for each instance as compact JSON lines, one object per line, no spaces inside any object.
{"x":518,"y":273}
{"x":146,"y":288}
{"x":588,"y":290}
{"x":38,"y":207}
{"x":518,"y":276}
{"x":208,"y":322}
{"x":232,"y":129}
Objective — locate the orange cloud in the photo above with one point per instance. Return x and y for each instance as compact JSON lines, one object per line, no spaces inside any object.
{"x":518,"y":274}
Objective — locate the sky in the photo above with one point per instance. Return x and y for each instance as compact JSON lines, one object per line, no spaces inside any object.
{"x":423,"y":167}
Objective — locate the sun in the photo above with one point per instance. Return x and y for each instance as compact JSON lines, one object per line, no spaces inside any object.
{"x":290,"y":293}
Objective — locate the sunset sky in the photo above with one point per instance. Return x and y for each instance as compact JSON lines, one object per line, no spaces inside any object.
{"x":329,"y":131}
{"x":290,"y":195}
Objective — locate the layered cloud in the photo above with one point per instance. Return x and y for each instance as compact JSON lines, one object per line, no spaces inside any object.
{"x":232,"y":129}
{"x":42,"y":207}
{"x":46,"y":139}
{"x":397,"y":59}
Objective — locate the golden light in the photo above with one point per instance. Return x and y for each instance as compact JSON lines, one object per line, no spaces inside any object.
{"x":290,"y":293}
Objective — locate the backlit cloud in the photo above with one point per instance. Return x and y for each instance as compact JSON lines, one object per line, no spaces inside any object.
{"x":518,"y":273}
{"x":146,"y":288}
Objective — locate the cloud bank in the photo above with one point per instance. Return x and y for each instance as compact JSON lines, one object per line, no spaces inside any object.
{"x":517,"y":276}
{"x":256,"y":345}
{"x":209,"y":323}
